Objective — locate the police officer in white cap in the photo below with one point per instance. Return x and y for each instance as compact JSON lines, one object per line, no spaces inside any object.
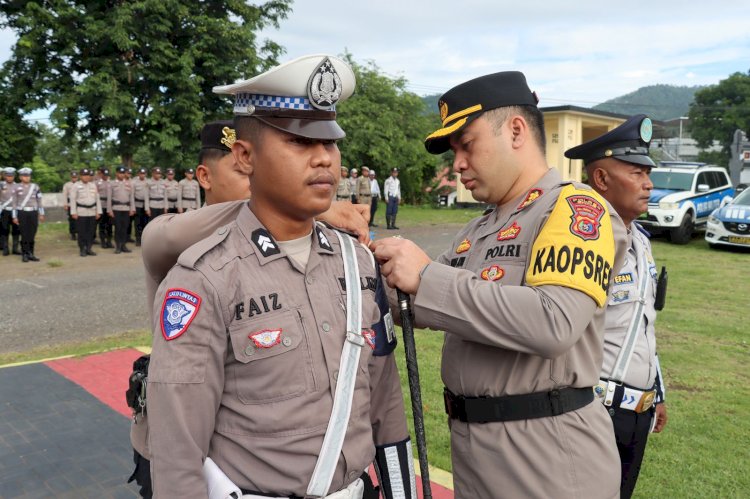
{"x":272,"y":369}
{"x":27,"y":213}
{"x":7,"y":227}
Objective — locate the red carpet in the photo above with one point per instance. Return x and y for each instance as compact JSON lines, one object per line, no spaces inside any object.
{"x":105,"y":376}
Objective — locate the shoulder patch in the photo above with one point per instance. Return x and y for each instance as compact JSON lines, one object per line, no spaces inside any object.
{"x":190,"y":256}
{"x":178,"y":310}
{"x":575,"y":248}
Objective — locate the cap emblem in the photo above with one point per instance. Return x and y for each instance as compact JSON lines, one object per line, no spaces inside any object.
{"x":608,"y":152}
{"x":230,"y":136}
{"x":647,"y":130}
{"x":443,"y":110}
{"x":324,"y":87}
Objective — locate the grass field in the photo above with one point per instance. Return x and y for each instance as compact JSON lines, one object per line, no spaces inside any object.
{"x":703,"y":344}
{"x":702,"y":337}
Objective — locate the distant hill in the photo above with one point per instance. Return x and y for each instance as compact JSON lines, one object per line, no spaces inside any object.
{"x":661,"y":102}
{"x":430,"y":101}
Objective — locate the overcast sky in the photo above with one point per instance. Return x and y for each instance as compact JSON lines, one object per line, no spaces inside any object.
{"x":579,"y":52}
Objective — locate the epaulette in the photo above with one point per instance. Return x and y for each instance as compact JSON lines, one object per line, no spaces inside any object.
{"x":338,"y":229}
{"x":643,"y":231}
{"x":488,"y":210}
{"x":190,"y":256}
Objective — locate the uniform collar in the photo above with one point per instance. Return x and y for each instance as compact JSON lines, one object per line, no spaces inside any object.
{"x":265,"y":246}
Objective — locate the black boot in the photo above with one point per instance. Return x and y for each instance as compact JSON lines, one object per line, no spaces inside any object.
{"x":89,"y":252}
{"x":118,"y":248}
{"x":4,"y":244}
{"x":32,"y":257}
{"x":73,"y":236}
{"x":125,"y":248}
{"x":15,"y":246}
{"x":24,"y":252}
{"x":393,"y":223}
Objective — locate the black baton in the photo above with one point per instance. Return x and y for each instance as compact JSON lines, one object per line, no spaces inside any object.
{"x":416,"y":393}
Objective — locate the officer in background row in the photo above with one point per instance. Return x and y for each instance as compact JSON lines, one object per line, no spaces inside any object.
{"x":521,"y":296}
{"x":344,"y":189}
{"x":7,"y":227}
{"x":257,"y":401}
{"x":375,"y":196}
{"x":105,"y":221}
{"x":140,"y":194}
{"x":631,"y":385}
{"x":189,"y":193}
{"x":353,"y":183}
{"x":66,"y":190}
{"x":120,"y":206}
{"x":157,"y":194}
{"x":363,"y":187}
{"x":27,"y":213}
{"x":86,"y":209}
{"x":172,"y":191}
{"x":392,"y":193}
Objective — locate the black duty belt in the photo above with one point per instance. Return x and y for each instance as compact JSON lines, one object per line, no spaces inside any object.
{"x":188,"y":199}
{"x":172,"y":200}
{"x":139,"y":199}
{"x":156,"y":199}
{"x":120,"y":203}
{"x":516,"y":407}
{"x":85,"y":205}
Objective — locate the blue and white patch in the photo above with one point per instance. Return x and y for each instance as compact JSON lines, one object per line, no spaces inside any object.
{"x":620,"y":296}
{"x":647,"y":130}
{"x":178,"y":310}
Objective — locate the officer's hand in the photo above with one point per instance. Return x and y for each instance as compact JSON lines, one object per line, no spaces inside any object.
{"x":401,"y":261}
{"x":74,"y":217}
{"x":661,"y":417}
{"x":148,"y":213}
{"x":351,"y":217}
{"x":98,"y":216}
{"x":179,"y":210}
{"x":41,"y":218}
{"x":132,"y":213}
{"x":15,"y":221}
{"x":65,"y":207}
{"x":111,"y":214}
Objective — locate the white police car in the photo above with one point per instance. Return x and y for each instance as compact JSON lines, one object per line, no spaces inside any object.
{"x":683,"y":197}
{"x":730,"y":225}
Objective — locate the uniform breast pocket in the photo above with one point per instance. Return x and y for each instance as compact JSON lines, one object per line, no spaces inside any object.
{"x":272,"y":360}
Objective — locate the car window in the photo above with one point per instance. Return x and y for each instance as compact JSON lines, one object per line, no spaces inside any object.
{"x":722,"y":179}
{"x":742,"y":198}
{"x":678,"y":181}
{"x":703,"y":178}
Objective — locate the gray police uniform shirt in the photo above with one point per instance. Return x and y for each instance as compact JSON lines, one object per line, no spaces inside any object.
{"x":344,"y":190}
{"x":66,"y":190}
{"x":121,"y":196}
{"x":622,"y":302}
{"x":189,"y":195}
{"x":27,"y":197}
{"x":103,"y":187}
{"x":504,"y":336}
{"x":157,"y":194}
{"x":249,"y":381}
{"x":84,"y":200}
{"x":140,"y":193}
{"x":172,"y":192}
{"x":6,"y":196}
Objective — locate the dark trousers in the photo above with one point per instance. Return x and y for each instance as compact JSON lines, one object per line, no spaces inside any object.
{"x":105,"y":227}
{"x":141,"y":219}
{"x":391,"y":208}
{"x":7,"y":227}
{"x":72,"y":225}
{"x":122,"y":220}
{"x":155,"y":212}
{"x":142,"y":475}
{"x":373,"y":209}
{"x":28,"y":223}
{"x":86,"y":231}
{"x":631,"y":434}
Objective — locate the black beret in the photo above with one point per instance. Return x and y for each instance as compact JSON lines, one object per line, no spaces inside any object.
{"x":218,"y":135}
{"x":464,"y":103}
{"x":628,"y":142}
{"x":121,"y":169}
{"x":85,"y":171}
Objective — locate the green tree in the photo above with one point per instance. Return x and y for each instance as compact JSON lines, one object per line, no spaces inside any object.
{"x":719,"y":110}
{"x":385,"y":127}
{"x":17,"y":138}
{"x":135,"y":72}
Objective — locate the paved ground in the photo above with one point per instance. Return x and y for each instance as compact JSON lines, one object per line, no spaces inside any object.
{"x":93,"y":297}
{"x":64,"y":429}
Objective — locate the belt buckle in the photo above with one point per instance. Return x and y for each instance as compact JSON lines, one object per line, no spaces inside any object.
{"x":646,"y":401}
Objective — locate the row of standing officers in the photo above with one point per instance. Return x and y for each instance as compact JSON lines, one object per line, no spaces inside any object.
{"x":123,"y":203}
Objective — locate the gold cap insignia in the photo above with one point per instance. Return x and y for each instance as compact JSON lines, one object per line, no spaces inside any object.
{"x":443,"y":110}
{"x":230,"y":136}
{"x":608,"y":152}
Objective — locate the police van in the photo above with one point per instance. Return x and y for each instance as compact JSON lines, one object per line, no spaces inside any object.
{"x":683,"y":197}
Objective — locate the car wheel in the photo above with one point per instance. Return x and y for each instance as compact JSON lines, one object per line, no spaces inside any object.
{"x":683,"y":233}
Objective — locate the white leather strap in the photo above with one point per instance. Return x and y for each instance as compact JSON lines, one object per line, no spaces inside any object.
{"x":342,"y":401}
